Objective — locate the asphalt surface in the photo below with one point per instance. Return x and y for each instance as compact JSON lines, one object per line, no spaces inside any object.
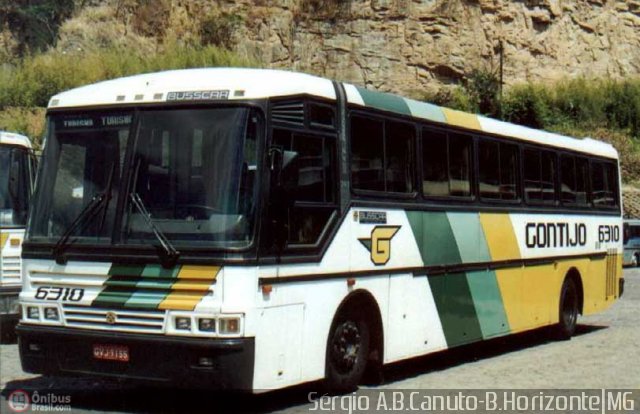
{"x":603,"y":354}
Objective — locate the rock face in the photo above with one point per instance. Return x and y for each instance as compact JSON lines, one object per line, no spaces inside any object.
{"x":411,"y":46}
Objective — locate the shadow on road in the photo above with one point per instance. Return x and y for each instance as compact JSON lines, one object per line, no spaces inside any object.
{"x":91,"y":394}
{"x":468,"y":353}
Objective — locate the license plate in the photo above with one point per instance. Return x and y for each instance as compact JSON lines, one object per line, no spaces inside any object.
{"x":111,"y":352}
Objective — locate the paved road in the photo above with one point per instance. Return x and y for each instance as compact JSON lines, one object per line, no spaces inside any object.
{"x":603,"y":354}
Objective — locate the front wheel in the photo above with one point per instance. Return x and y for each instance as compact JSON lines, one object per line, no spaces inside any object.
{"x":347,"y":352}
{"x":568,"y":317}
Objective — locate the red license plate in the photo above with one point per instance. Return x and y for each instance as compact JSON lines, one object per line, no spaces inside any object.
{"x":111,"y":352}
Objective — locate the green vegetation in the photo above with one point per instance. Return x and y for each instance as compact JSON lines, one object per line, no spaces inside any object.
{"x":30,"y":83}
{"x":604,"y":109}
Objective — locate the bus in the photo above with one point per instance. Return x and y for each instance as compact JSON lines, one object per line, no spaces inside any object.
{"x":631,"y":243}
{"x":17,"y":169}
{"x":256,"y":229}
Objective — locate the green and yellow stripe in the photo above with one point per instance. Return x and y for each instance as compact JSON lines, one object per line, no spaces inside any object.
{"x":154,"y":287}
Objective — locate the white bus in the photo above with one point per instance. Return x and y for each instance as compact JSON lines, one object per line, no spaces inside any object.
{"x":256,"y":229}
{"x":17,"y":169}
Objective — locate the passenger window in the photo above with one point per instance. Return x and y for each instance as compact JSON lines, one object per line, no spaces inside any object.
{"x":446,"y":164}
{"x":382,"y":155}
{"x":367,"y":149}
{"x":539,"y":176}
{"x":310,"y":182}
{"x":568,"y":179}
{"x":604,"y":184}
{"x":574,"y":176}
{"x":498,"y":164}
{"x":399,"y":139}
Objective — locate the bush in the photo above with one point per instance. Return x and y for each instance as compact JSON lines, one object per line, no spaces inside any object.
{"x":32,"y":81}
{"x":218,"y":30}
{"x":527,"y":105}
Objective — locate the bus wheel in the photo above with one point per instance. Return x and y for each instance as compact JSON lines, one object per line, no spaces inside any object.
{"x":568,"y":310}
{"x":347,"y":351}
{"x":635,"y":261}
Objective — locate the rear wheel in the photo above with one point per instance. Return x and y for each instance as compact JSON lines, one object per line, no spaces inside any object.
{"x":568,"y":316}
{"x":347,"y":351}
{"x":635,"y":261}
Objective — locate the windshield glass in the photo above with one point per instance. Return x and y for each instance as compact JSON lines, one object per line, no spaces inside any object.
{"x":83,"y":159}
{"x":15,"y":185}
{"x":194,"y":172}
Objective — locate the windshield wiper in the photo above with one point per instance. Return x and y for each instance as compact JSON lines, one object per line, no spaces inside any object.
{"x":88,"y":212}
{"x":168,"y":254}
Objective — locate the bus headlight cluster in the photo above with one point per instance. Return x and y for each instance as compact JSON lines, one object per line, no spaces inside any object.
{"x":33,"y":312}
{"x":206,"y":325}
{"x":42,"y":313}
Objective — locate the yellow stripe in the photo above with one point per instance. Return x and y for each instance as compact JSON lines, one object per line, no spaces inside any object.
{"x":3,"y":239}
{"x":199,"y":272}
{"x":462,"y":119}
{"x":502,"y":241}
{"x":181,"y":301}
{"x":193,"y":283}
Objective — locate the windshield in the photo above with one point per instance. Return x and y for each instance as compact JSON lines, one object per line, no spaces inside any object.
{"x":83,"y":158}
{"x":194,"y":171}
{"x":15,"y":185}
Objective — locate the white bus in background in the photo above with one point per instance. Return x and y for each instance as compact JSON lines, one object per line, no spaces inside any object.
{"x":17,"y":170}
{"x":631,"y":243}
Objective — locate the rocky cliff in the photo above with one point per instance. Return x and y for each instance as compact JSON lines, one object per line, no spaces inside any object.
{"x":411,"y":45}
{"x":405,"y":46}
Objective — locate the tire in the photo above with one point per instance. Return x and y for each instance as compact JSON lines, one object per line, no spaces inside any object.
{"x":568,"y":312}
{"x":635,"y":262}
{"x":347,"y":351}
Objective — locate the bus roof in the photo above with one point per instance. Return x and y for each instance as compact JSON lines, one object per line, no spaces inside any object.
{"x":243,"y":83}
{"x":11,"y":138}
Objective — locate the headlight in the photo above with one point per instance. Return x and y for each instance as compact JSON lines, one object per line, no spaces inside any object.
{"x":33,"y":312}
{"x":229,"y":325}
{"x":207,"y":324}
{"x":183,"y":324}
{"x":51,"y":314}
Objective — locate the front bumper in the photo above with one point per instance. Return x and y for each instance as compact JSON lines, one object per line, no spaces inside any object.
{"x":153,"y":358}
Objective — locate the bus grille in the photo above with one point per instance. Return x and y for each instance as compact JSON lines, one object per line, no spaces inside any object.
{"x":10,"y":270}
{"x":612,"y":266}
{"x":148,"y":321}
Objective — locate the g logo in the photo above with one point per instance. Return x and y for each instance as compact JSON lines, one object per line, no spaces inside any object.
{"x":380,"y":243}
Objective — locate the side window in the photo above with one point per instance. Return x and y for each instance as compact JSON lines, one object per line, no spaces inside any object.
{"x":310,"y":182}
{"x":367,"y":149}
{"x":574,"y":175}
{"x":446,"y":164}
{"x":539,"y":176}
{"x":568,"y":179}
{"x":498,"y":165}
{"x":382,"y":155}
{"x":399,"y":159}
{"x":604,"y":184}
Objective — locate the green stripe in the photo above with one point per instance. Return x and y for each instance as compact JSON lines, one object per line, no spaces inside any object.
{"x":146,"y":299}
{"x":434,"y":237}
{"x":159,"y":271}
{"x":488,"y":303}
{"x":126,"y":270}
{"x":384,"y":101}
{"x":455,"y":306}
{"x":469,"y":237}
{"x":112,"y":297}
{"x":426,"y":111}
